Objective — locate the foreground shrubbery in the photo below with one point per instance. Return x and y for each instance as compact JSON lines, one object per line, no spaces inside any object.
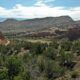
{"x":37,"y":61}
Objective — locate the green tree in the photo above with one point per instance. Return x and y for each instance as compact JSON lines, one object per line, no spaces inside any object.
{"x":51,"y":53}
{"x":26,"y":75}
{"x":53,"y":70}
{"x":14,"y":67}
{"x":66,"y":45}
{"x":38,"y":48}
{"x":41,"y":62}
{"x":54,"y":44}
{"x":66,"y":58}
{"x":3,"y":74}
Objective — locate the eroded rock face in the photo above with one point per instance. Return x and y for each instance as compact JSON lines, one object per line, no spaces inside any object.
{"x":3,"y":40}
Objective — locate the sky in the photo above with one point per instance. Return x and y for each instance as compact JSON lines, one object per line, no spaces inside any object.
{"x":29,"y":9}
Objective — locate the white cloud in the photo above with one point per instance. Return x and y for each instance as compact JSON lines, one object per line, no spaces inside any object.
{"x":42,"y":2}
{"x":49,"y":0}
{"x":20,"y":11}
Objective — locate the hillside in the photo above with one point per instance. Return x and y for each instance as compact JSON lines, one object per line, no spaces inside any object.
{"x":78,"y":22}
{"x":13,"y":25}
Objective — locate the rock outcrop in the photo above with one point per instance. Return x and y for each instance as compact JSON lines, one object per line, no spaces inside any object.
{"x":3,"y":40}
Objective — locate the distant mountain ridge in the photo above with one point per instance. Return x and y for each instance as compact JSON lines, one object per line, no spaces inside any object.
{"x":13,"y":25}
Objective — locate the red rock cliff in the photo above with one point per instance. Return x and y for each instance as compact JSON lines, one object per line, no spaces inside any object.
{"x":3,"y":40}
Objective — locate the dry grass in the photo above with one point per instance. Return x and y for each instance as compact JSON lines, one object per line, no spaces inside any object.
{"x":38,"y":40}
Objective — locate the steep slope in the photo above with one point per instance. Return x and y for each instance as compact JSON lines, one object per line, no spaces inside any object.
{"x":12,"y":25}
